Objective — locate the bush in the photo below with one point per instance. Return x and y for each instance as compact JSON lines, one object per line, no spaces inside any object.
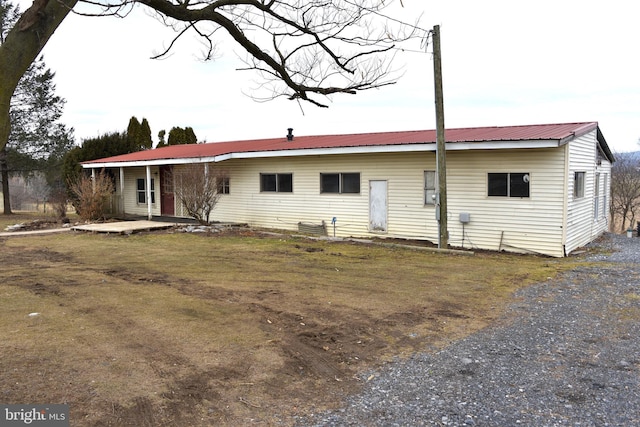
{"x":198,"y":188}
{"x":92,"y":195}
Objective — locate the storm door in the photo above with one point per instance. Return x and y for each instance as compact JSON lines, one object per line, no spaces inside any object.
{"x":167,"y":203}
{"x":378,"y":206}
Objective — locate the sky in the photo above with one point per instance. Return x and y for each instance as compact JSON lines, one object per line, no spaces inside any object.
{"x":504,"y":63}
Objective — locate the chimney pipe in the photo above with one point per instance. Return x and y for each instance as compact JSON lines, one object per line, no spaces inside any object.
{"x":290,"y":134}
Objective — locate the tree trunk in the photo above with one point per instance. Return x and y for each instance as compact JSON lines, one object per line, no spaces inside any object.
{"x":22,"y":46}
{"x":4,"y":173}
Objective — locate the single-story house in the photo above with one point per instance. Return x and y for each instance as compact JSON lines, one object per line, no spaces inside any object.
{"x":534,"y":189}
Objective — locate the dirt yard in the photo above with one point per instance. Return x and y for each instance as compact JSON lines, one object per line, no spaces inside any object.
{"x":241,"y":328}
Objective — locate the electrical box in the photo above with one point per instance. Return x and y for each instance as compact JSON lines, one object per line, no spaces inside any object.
{"x":465,"y":217}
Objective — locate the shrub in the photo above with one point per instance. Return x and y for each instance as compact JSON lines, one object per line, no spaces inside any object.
{"x":198,"y":188}
{"x":92,"y":195}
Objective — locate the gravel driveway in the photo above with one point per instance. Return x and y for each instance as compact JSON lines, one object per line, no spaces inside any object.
{"x":567,"y":353}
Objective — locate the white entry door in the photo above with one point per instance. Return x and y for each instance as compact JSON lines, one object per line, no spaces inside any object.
{"x":378,"y":206}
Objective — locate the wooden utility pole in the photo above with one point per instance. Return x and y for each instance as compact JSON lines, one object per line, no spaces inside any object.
{"x":441,"y":159}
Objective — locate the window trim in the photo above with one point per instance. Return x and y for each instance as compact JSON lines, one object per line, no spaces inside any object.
{"x":341,"y":182}
{"x":509,"y":184}
{"x":579,"y":182}
{"x":428,"y":200}
{"x":143,"y":191}
{"x":277,"y":179}
{"x":224,"y":185}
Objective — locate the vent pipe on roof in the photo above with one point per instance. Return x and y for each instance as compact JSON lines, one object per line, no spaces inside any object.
{"x":290,"y":134}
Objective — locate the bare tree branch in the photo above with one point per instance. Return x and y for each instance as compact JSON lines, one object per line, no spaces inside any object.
{"x":302,"y":49}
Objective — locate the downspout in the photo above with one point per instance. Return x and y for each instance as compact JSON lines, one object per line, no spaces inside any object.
{"x":565,"y":203}
{"x":148,"y":188}
{"x":122,"y":190}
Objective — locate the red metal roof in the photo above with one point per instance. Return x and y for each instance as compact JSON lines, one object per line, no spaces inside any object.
{"x":557,"y":132}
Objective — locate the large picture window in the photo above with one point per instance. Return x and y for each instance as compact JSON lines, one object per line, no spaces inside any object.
{"x":142,"y":191}
{"x":510,"y":184}
{"x":276,"y":182}
{"x":340,"y":183}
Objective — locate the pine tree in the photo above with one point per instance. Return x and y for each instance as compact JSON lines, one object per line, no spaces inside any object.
{"x":178,"y":136}
{"x":37,"y":141}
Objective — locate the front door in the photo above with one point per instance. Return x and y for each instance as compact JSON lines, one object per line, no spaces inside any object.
{"x":167,"y":203}
{"x":378,"y":206}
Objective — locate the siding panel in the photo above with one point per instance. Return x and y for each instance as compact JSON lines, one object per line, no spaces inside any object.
{"x":496,"y":223}
{"x":533,"y":224}
{"x":582,"y":224}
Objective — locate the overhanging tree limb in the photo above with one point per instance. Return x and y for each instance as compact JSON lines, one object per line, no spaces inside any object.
{"x":23,"y":44}
{"x":304,"y":49}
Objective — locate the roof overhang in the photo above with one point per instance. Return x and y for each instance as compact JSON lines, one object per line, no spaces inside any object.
{"x":394,"y":148}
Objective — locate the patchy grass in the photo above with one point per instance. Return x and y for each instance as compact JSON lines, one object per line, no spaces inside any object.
{"x":185,"y":329}
{"x":36,"y":218}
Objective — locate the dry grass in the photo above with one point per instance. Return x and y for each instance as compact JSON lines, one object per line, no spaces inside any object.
{"x":184,"y":329}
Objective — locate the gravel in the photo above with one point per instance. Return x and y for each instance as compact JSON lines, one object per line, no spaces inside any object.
{"x":566,"y":353}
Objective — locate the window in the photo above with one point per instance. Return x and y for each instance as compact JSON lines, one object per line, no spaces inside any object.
{"x":509,"y":184}
{"x":276,"y":182}
{"x":142,"y":191}
{"x":578,"y":185}
{"x":340,"y":183}
{"x":223,"y":185}
{"x":429,"y":187}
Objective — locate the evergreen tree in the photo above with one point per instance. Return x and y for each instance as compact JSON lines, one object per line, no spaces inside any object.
{"x":161,"y":140}
{"x":178,"y":136}
{"x":37,"y":141}
{"x":146,"y":142}
{"x":139,"y":135}
{"x":134,"y":131}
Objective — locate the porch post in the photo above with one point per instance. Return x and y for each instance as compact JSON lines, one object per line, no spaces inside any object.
{"x":93,"y":179}
{"x":121,"y":204}
{"x":148,"y":187}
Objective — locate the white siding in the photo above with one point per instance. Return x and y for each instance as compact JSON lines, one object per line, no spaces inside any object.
{"x":131,"y":205}
{"x":404,"y":174}
{"x":582,"y":225}
{"x":514,"y":224}
{"x":534,"y":224}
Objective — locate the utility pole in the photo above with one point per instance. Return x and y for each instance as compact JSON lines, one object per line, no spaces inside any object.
{"x":441,"y":160}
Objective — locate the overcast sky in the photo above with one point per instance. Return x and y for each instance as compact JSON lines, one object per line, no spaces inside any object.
{"x":504,"y":63}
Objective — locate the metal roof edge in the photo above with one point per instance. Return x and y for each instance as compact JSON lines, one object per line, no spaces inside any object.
{"x":155,"y":162}
{"x":602,"y":143}
{"x":371,"y":149}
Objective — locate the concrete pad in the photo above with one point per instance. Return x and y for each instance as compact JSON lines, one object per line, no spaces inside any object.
{"x":123,"y":227}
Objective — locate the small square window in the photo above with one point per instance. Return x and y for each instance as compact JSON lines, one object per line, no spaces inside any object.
{"x":351,"y":183}
{"x":329,"y":183}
